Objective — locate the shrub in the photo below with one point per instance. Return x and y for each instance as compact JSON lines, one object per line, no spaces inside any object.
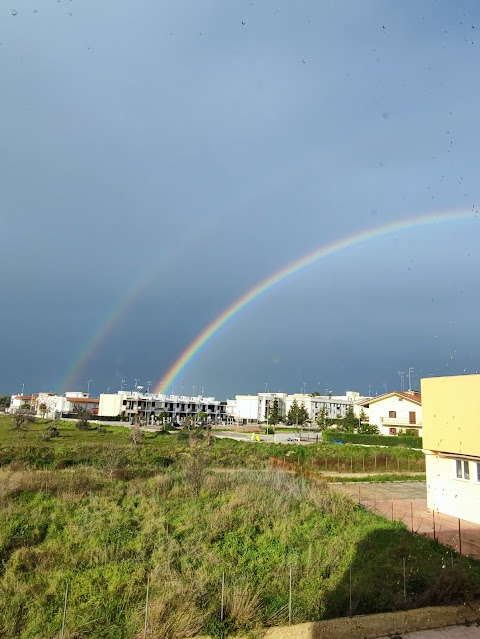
{"x":374,"y":440}
{"x":82,"y":424}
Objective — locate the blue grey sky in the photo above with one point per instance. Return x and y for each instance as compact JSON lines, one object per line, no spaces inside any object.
{"x":187,"y":149}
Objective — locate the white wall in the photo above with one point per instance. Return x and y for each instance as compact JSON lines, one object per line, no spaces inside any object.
{"x":450,"y":495}
{"x":378,"y":414}
{"x":111,"y":405}
{"x":246,"y":407}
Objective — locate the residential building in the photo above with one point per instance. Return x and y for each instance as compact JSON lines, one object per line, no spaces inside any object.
{"x":451,"y":441}
{"x":395,"y":412}
{"x":253,"y":408}
{"x":335,"y":406}
{"x":148,"y":406}
{"x":249,"y":409}
{"x":54,"y":406}
{"x":20,"y":402}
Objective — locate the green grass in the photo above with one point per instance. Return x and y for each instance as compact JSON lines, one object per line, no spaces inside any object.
{"x":96,"y":512}
{"x":92,"y":447}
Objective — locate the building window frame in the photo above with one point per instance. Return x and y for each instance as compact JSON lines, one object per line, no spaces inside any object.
{"x":462,"y":469}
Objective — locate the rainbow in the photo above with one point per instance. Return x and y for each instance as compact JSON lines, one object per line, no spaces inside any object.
{"x":291,"y":269}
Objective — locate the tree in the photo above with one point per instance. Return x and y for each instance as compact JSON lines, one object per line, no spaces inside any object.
{"x":82,"y":413}
{"x":4,"y":401}
{"x":322,"y":418}
{"x":364,"y":428}
{"x":136,"y":432}
{"x":202,"y":417}
{"x":43,"y":409}
{"x":302,"y":414}
{"x":274,"y":414}
{"x":349,"y":422}
{"x":293,"y":413}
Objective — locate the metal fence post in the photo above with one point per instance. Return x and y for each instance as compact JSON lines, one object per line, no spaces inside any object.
{"x":290,"y":599}
{"x":146,"y":609}
{"x":350,"y":590}
{"x":223,"y":596}
{"x":64,"y":612}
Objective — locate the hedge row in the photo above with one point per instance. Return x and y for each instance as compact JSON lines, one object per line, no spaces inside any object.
{"x":408,"y":441}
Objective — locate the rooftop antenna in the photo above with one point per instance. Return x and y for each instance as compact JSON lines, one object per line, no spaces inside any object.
{"x":148,"y":386}
{"x":266,"y":387}
{"x":410,"y":372}
{"x":203,"y":390}
{"x":402,"y":380}
{"x":121,"y":384}
{"x":136,"y":383}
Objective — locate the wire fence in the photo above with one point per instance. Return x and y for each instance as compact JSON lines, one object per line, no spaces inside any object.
{"x":352,"y":465}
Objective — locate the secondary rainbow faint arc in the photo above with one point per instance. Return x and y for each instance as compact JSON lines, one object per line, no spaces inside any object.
{"x":177,"y":367}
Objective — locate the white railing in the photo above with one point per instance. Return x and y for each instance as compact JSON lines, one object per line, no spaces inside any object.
{"x":403,"y":422}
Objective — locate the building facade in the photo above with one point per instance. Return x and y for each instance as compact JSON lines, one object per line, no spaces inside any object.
{"x":451,"y":441}
{"x":152,"y":407}
{"x":395,"y":413}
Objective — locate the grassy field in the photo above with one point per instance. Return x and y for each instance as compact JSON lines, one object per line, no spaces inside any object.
{"x":102,"y":515}
{"x":94,"y":447}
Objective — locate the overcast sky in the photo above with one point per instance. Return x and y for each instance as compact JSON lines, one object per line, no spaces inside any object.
{"x":187,"y":149}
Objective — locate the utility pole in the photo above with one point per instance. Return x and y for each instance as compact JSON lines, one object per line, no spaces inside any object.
{"x":402,"y":380}
{"x":88,"y":386}
{"x":122,"y":384}
{"x":148,"y":386}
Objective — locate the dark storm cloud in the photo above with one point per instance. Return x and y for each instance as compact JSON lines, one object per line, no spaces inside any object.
{"x":169,"y":143}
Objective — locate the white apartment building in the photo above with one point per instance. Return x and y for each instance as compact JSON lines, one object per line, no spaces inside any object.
{"x":148,"y":406}
{"x":253,"y":408}
{"x":248,"y":409}
{"x":335,"y":406}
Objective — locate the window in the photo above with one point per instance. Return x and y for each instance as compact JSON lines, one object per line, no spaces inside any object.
{"x":392,"y":413}
{"x":462,"y":469}
{"x":478,"y":471}
{"x":392,"y":431}
{"x":412,"y":417}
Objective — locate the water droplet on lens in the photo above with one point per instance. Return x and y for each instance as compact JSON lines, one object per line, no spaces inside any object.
{"x":14,"y":12}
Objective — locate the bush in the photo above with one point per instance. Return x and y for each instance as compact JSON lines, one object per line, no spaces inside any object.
{"x":82,"y":424}
{"x":374,"y":440}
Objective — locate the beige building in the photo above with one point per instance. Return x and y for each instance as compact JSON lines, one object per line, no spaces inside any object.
{"x":451,"y":440}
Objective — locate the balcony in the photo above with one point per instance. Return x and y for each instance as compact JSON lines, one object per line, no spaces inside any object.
{"x":400,"y":422}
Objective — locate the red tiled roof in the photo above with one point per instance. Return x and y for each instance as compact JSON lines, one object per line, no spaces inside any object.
{"x":412,"y":396}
